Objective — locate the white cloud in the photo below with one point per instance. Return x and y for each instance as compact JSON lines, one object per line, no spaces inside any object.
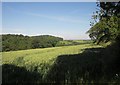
{"x":58,"y":18}
{"x":73,"y":36}
{"x":76,"y":37}
{"x":66,"y":36}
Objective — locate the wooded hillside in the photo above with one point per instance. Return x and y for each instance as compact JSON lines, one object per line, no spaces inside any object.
{"x":21,"y":42}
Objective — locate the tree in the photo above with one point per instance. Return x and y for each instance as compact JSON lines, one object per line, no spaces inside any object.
{"x":106,"y":22}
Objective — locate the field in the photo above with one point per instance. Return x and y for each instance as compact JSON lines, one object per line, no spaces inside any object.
{"x":73,"y":42}
{"x":64,"y":65}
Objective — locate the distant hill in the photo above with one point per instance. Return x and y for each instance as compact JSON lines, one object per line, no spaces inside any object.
{"x":11,"y":42}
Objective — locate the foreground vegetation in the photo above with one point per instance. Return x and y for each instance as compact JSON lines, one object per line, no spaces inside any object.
{"x":79,"y":64}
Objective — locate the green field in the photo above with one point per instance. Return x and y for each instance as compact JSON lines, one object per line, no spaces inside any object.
{"x":41,"y":61}
{"x":43,"y":55}
{"x":73,"y":42}
{"x":80,"y":64}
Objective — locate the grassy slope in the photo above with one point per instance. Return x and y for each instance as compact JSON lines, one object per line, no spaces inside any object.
{"x":65,"y":64}
{"x":36,"y":56}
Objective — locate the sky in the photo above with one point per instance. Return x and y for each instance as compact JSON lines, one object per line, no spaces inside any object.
{"x":52,"y":0}
{"x":69,"y":20}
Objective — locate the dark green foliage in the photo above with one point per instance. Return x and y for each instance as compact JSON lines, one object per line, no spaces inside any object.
{"x":108,"y":26}
{"x":11,"y":42}
{"x":111,"y":60}
{"x":19,"y":75}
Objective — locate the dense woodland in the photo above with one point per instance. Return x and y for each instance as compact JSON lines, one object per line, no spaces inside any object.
{"x":11,"y":42}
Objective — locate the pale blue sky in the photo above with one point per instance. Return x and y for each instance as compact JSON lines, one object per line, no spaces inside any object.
{"x":65,"y":19}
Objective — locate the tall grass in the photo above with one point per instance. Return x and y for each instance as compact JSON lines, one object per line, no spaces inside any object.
{"x":80,"y":64}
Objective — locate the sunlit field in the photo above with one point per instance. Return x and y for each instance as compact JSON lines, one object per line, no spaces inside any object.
{"x":45,"y":55}
{"x":42,"y":61}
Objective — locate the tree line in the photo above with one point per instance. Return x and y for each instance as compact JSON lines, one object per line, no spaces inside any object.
{"x":12,"y":42}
